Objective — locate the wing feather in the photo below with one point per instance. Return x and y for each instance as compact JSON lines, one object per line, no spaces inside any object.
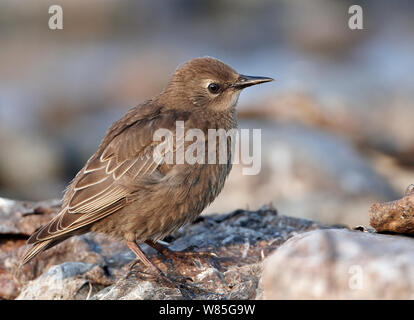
{"x":103,"y":185}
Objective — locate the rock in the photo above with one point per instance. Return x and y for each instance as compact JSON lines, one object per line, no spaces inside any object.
{"x":89,"y":249}
{"x":233,"y":282}
{"x":93,"y":266}
{"x":133,"y":288}
{"x":340,"y":264}
{"x":69,"y":280}
{"x":19,"y":219}
{"x":58,"y":283}
{"x":396,"y":216}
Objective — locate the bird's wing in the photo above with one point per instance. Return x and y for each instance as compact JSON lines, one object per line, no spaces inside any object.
{"x":103,"y":185}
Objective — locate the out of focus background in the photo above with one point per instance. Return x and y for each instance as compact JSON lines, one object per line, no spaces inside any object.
{"x":337,"y":124}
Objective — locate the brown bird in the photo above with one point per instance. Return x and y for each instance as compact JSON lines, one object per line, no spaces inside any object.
{"x":123,"y":192}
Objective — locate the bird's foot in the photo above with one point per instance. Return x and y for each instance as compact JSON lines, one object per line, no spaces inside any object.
{"x":153,"y":268}
{"x":155,"y":274}
{"x":182,"y":283}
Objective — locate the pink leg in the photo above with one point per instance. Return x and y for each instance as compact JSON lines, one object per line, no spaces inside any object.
{"x":141,"y":255}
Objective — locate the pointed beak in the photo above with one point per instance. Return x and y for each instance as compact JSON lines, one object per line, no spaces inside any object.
{"x":247,"y":81}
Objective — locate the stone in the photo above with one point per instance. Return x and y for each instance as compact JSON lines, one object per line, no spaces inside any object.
{"x":340,"y":264}
{"x":134,"y":288}
{"x":60,"y":282}
{"x":18,"y":219}
{"x":395,"y":216}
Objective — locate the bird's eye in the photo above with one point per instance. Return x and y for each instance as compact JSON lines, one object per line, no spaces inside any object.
{"x":213,"y":87}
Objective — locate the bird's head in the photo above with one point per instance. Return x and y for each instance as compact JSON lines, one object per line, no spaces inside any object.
{"x":208,"y":83}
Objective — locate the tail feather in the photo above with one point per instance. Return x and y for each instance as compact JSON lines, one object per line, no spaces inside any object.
{"x":42,"y":245}
{"x":36,"y":249}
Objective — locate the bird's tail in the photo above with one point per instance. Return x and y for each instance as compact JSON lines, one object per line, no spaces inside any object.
{"x":36,"y":249}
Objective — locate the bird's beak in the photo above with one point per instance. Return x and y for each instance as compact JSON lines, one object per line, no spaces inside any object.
{"x":247,"y":81}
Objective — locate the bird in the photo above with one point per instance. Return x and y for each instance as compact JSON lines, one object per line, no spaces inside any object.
{"x":126,"y":194}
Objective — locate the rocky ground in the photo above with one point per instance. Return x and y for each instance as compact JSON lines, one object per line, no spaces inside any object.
{"x":258,"y":255}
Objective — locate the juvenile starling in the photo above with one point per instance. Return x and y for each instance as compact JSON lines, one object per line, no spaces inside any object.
{"x":123,"y":192}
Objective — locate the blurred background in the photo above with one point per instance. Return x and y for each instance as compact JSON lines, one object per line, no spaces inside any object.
{"x":337,"y":125}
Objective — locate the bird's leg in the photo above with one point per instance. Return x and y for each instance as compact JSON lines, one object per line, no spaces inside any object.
{"x":178,"y":254}
{"x":180,"y":257}
{"x":141,"y":256}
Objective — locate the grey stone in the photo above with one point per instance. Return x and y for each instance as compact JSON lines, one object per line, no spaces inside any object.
{"x":340,"y":264}
{"x":60,"y":282}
